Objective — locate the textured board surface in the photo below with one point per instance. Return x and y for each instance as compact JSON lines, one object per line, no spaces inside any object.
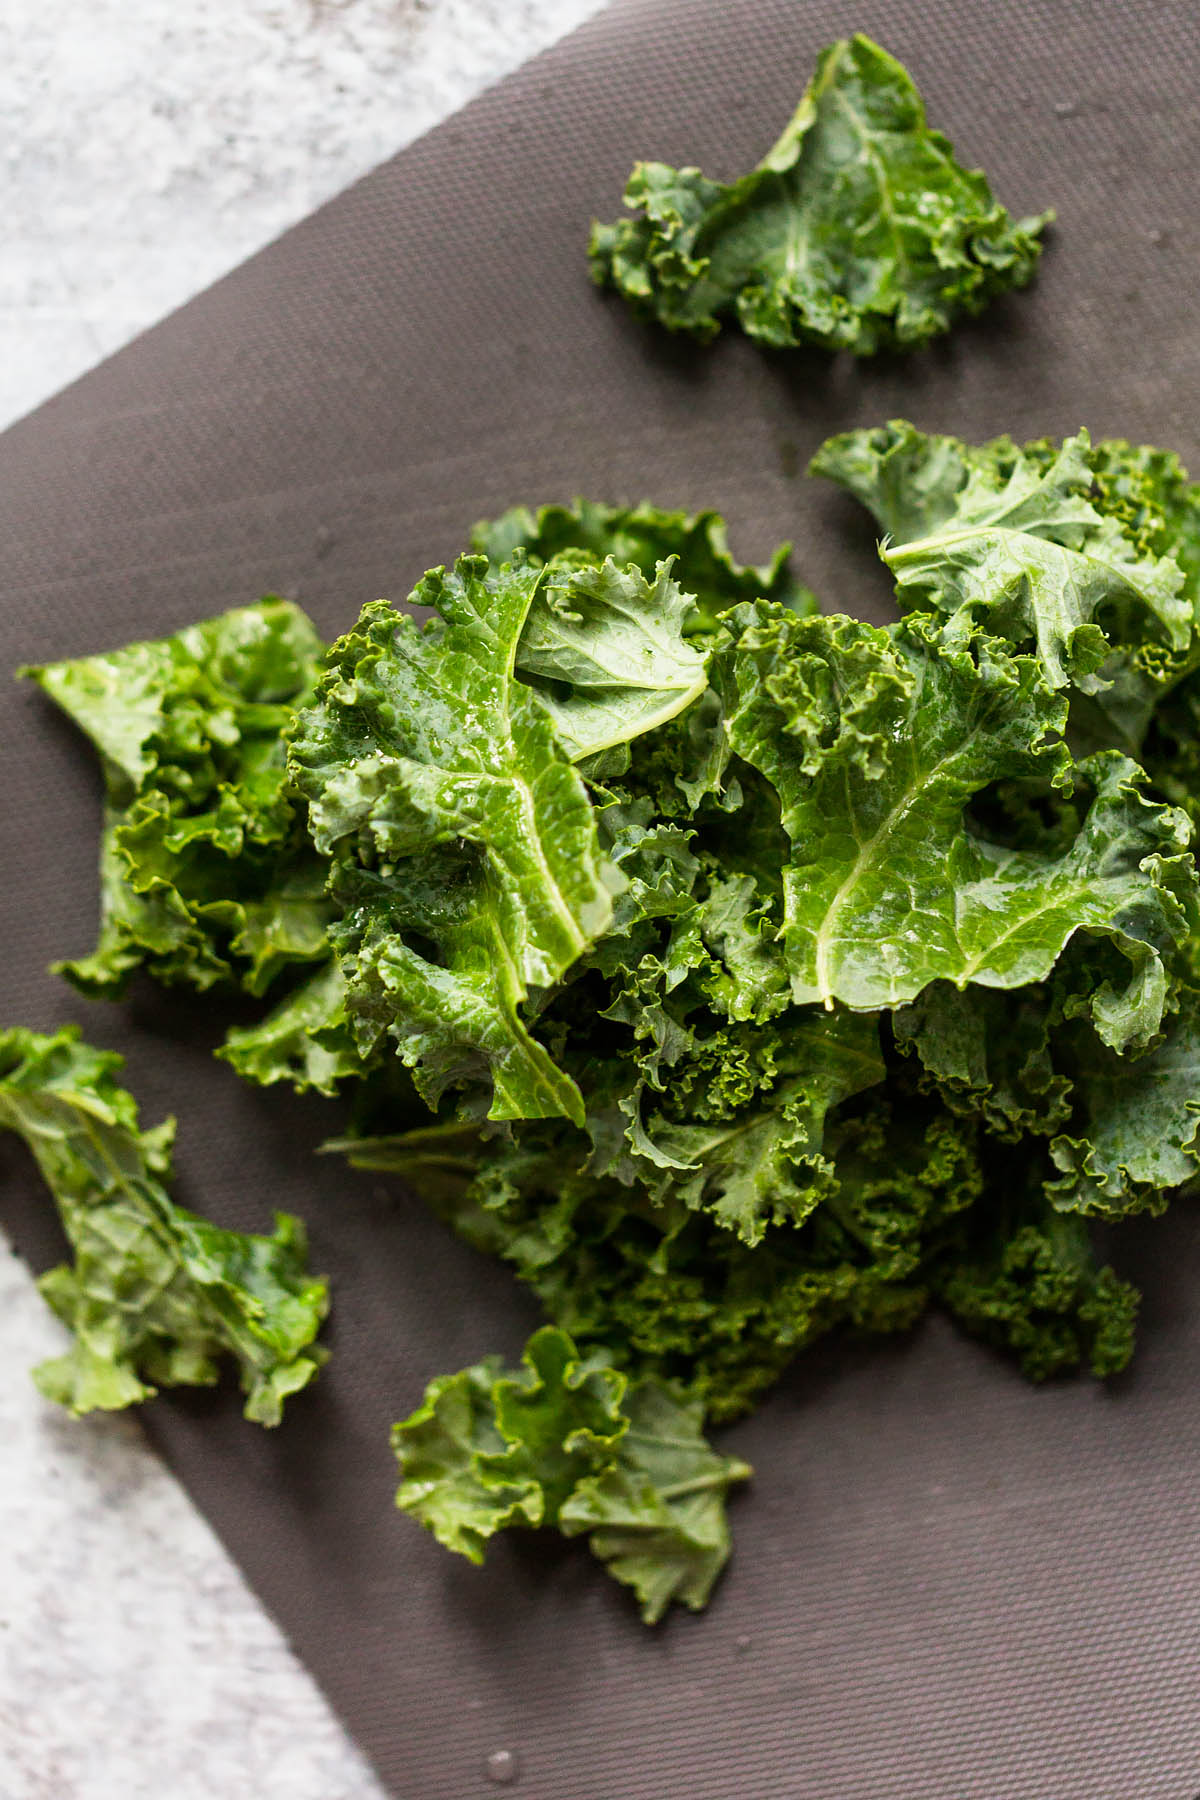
{"x":947,"y":1586}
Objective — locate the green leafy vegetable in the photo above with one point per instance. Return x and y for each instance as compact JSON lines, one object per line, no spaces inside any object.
{"x":604,"y":650}
{"x":467,"y":855}
{"x":876,"y":742}
{"x":646,"y":536}
{"x":674,"y":1294}
{"x":1135,"y":1135}
{"x":154,"y":1296}
{"x":1003,"y":538}
{"x":857,"y":231}
{"x":206,"y":872}
{"x":486,"y":1450}
{"x":562,"y":1443}
{"x":1031,"y":1285}
{"x":737,"y":975}
{"x":305,"y":1040}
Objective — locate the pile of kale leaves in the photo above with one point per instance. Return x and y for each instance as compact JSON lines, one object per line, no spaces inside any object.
{"x":733,"y":971}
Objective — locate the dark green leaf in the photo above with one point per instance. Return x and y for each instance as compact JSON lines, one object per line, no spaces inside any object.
{"x":1134,"y":1136}
{"x":646,"y":536}
{"x":858,"y":230}
{"x":1032,"y":1284}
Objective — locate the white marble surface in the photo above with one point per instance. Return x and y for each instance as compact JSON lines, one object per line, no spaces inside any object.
{"x":149,"y":145}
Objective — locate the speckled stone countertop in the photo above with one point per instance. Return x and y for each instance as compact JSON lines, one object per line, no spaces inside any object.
{"x":147,"y":149}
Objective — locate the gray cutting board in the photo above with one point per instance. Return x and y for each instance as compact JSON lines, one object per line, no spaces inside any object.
{"x":947,"y":1585}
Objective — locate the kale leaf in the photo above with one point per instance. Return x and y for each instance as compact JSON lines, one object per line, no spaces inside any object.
{"x":876,"y":741}
{"x":207,"y":875}
{"x":467,"y":859}
{"x":154,"y":1295}
{"x":646,"y":536}
{"x":565,"y":1442}
{"x":857,"y":231}
{"x":1012,"y":540}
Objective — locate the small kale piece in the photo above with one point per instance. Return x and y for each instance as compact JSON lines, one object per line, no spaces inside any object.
{"x":604,"y":650}
{"x":564,"y":1443}
{"x":655,"y":1516}
{"x":1132,"y":1136}
{"x":305,"y":1039}
{"x":154,"y":1296}
{"x":207,"y":875}
{"x":857,"y":231}
{"x":487,"y":1449}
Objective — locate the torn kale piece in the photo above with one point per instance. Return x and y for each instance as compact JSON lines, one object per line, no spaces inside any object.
{"x":564,"y":1442}
{"x":154,"y":1295}
{"x":207,"y":875}
{"x":858,"y":230}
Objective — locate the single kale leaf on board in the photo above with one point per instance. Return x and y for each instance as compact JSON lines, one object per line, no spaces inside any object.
{"x":154,"y":1296}
{"x":566,"y":1442}
{"x":857,"y":231}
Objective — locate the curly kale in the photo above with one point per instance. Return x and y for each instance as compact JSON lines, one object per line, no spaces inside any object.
{"x":738,"y":975}
{"x":857,"y":231}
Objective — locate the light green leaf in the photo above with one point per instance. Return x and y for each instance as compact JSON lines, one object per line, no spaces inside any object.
{"x":206,"y":875}
{"x":154,"y":1295}
{"x":1006,"y":540}
{"x":486,"y":1449}
{"x":305,"y":1040}
{"x":444,"y":1485}
{"x":604,"y":650}
{"x":888,"y":888}
{"x":559,"y":1444}
{"x":466,"y":852}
